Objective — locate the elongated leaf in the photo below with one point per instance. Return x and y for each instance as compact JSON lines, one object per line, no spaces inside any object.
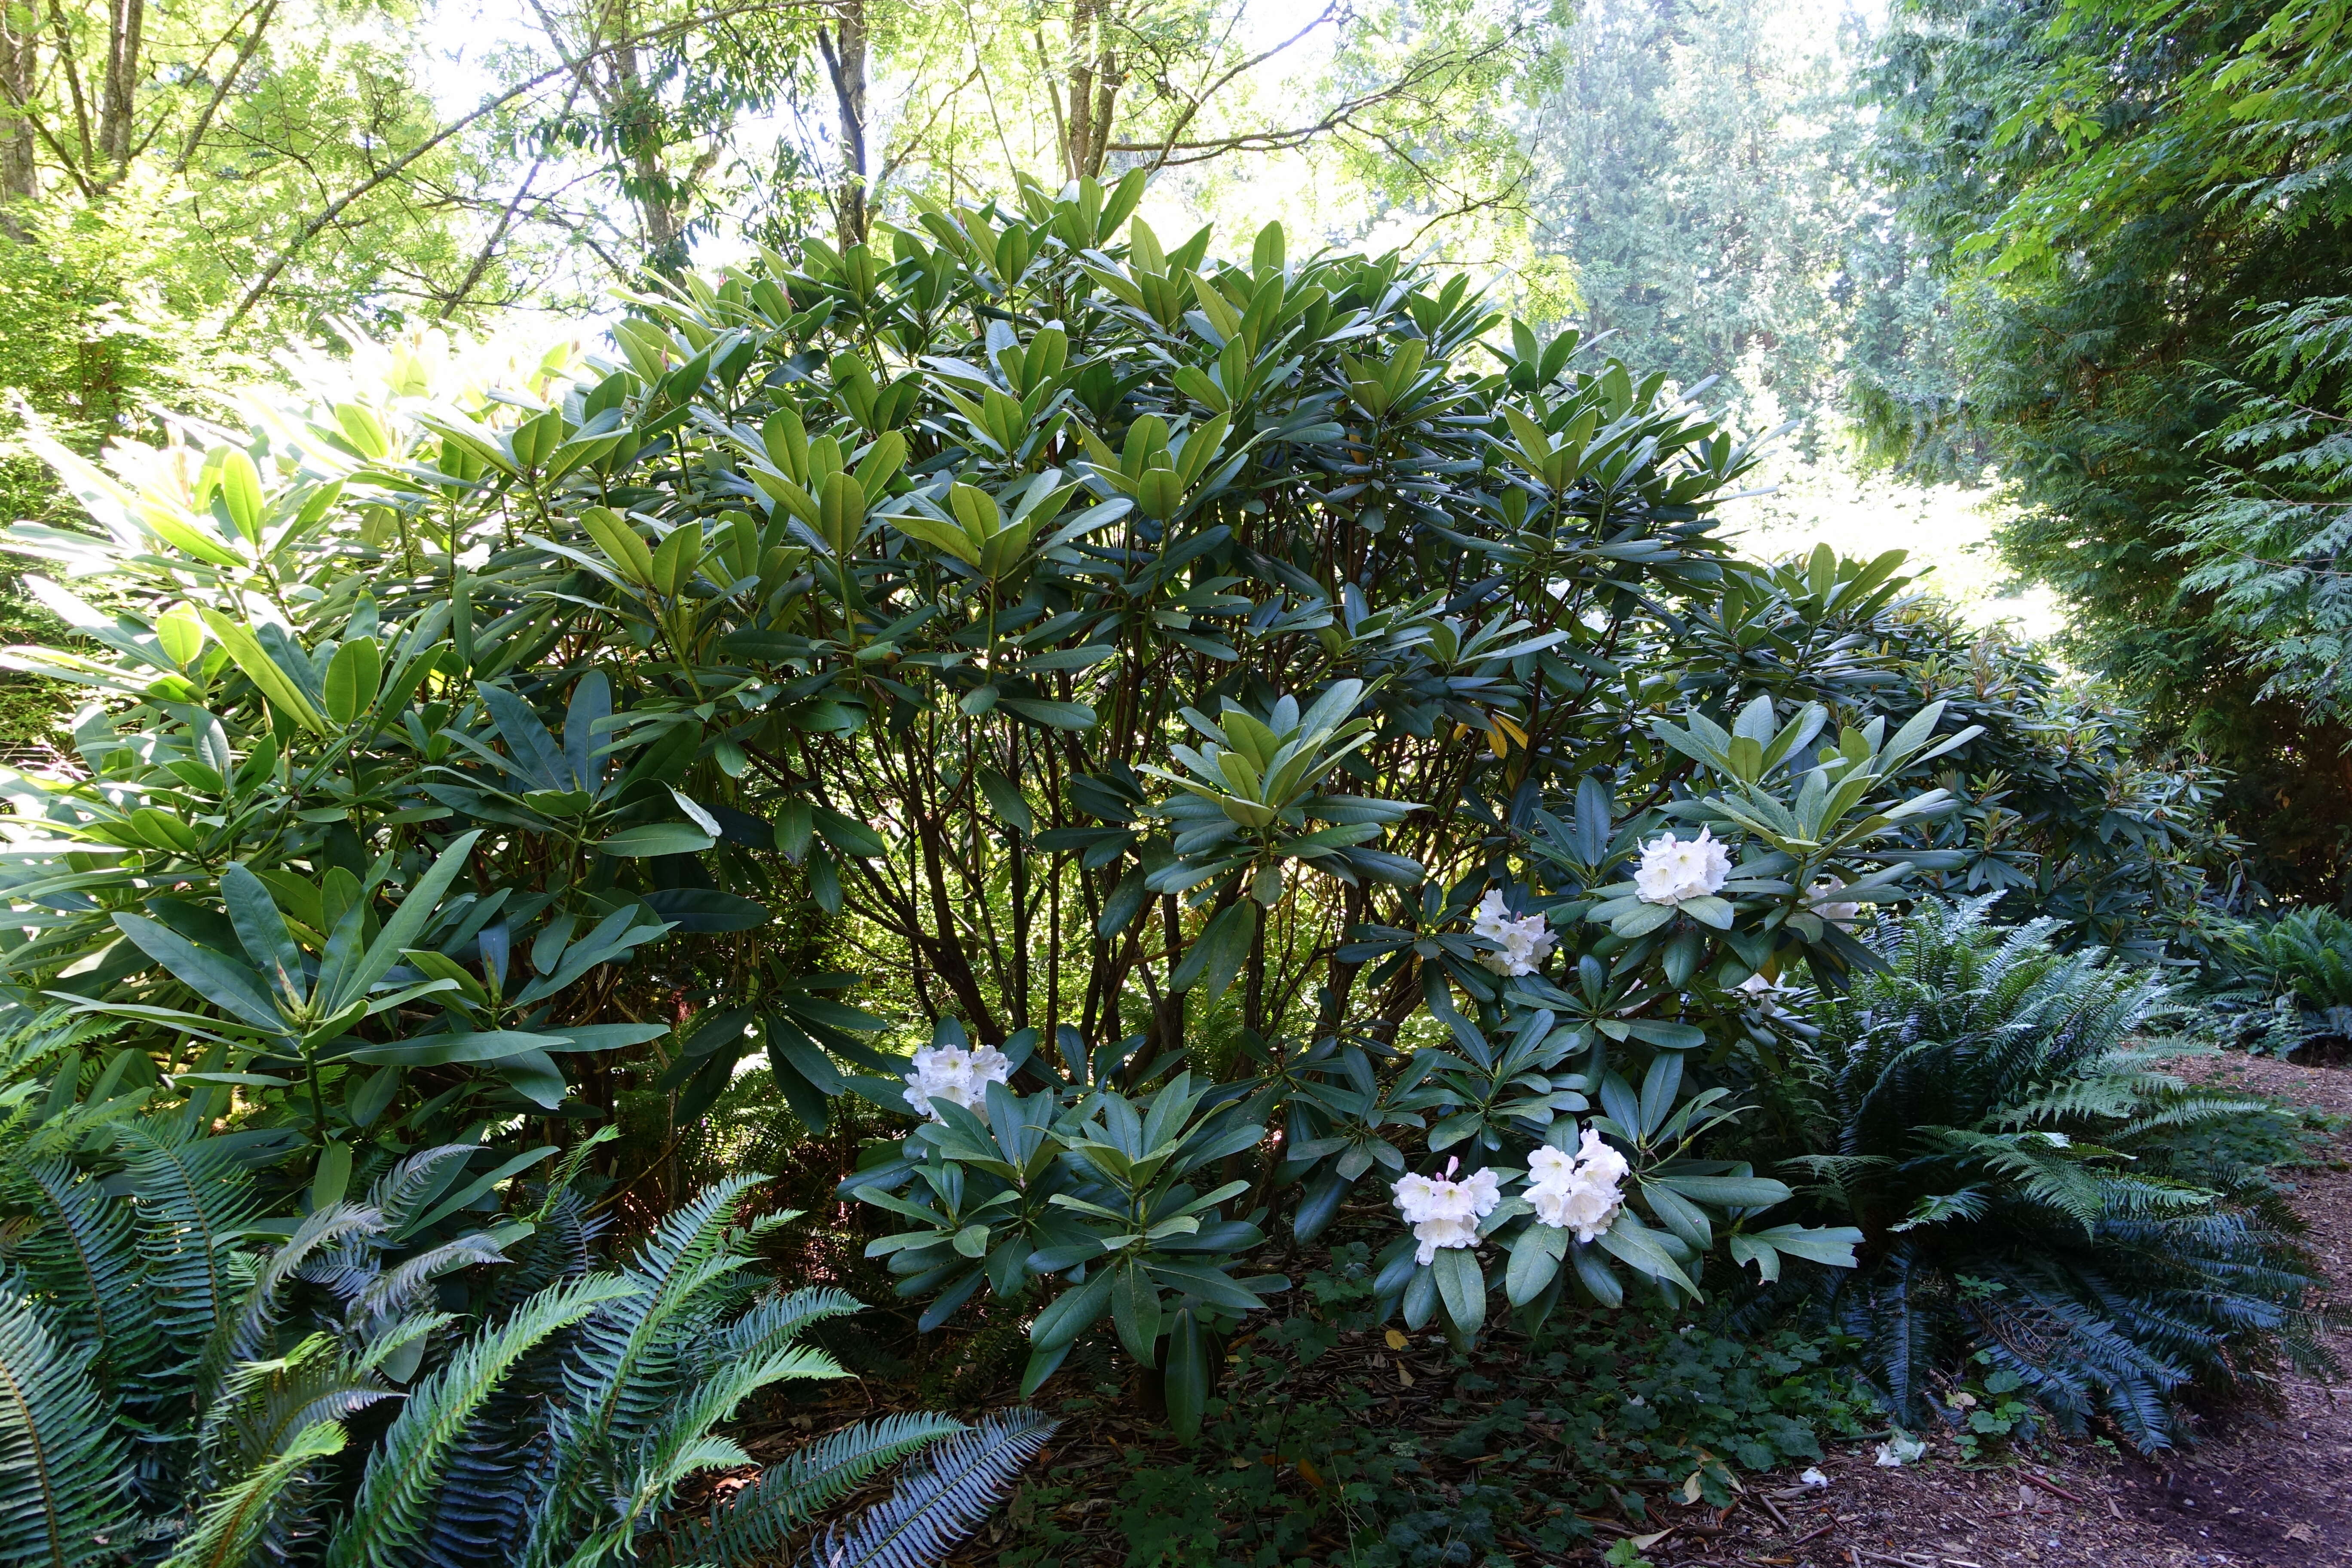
{"x":261,"y":931}
{"x":438,"y":1050}
{"x":1536,"y":1256}
{"x":354,"y":678}
{"x":651,"y":838}
{"x":215,"y":977}
{"x":245,"y":650}
{"x":344,"y":979}
{"x":707,"y":910}
{"x":1460,"y":1286}
{"x":1217,"y":954}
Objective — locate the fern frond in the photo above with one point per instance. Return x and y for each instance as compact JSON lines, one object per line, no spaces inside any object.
{"x":2200,"y":1111}
{"x":389,"y":1338}
{"x":2035,"y":1169}
{"x":562,"y":1246}
{"x":501,"y":1470}
{"x":249,"y":1333}
{"x":952,"y":1490}
{"x":64,"y":1497}
{"x":84,"y":1259}
{"x":234,"y":1524}
{"x":568,"y":1169}
{"x":263,"y":1405}
{"x":680,"y":1442}
{"x":402,"y":1193}
{"x":191,"y":1191}
{"x":2057,"y":1224}
{"x":389,"y":1517}
{"x":755,"y":1522}
{"x":498,"y":1474}
{"x":1968,"y":1203}
{"x":773,"y":1322}
{"x":628,"y":1364}
{"x":392,"y":1293}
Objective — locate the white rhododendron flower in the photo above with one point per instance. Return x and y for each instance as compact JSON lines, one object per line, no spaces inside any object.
{"x":1524,"y":943}
{"x":952,"y":1072}
{"x":1766,"y":992}
{"x":1813,"y":1478}
{"x":1674,"y":871}
{"x":1597,"y":1161}
{"x":1842,"y":916}
{"x":1900,"y":1449}
{"x":1445,"y":1212}
{"x":1549,"y":1164}
{"x":1579,"y":1192}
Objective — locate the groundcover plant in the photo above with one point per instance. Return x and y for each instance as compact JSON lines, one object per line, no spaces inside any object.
{"x":1250,"y":702}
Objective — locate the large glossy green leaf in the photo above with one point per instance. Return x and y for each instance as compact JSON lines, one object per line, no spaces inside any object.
{"x":214,"y":976}
{"x":349,"y":973}
{"x":276,"y":685}
{"x":437,"y":1050}
{"x":261,"y":931}
{"x":651,"y":838}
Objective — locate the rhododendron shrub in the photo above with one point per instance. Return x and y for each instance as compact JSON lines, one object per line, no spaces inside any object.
{"x":1272,"y":661}
{"x":1235,"y":702}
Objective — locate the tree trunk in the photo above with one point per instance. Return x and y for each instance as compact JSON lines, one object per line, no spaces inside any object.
{"x":1094,"y":81}
{"x":20,"y":174}
{"x":1078,"y":140}
{"x":641,"y":146}
{"x":627,"y":100}
{"x":124,"y":22}
{"x":845,"y":62}
{"x":1106,"y":106}
{"x":1165,"y":1031}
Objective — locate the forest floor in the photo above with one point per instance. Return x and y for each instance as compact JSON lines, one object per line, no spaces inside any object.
{"x":2261,"y":1489}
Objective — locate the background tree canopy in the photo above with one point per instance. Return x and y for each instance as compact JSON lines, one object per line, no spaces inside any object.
{"x":2123,"y":197}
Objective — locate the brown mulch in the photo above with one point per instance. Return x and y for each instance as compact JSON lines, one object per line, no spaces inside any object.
{"x":2258,"y":1491}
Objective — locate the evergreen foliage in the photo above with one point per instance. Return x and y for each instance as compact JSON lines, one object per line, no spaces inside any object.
{"x":2269,"y":535}
{"x":2109,"y":186}
{"x":2029,"y":1188}
{"x":1702,"y":175}
{"x":2056,"y":804}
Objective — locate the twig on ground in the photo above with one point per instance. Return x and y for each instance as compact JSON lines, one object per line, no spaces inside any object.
{"x":2052,"y":1487}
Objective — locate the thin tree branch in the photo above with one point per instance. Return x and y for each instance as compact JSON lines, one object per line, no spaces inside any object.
{"x":499,"y":231}
{"x":220,"y":91}
{"x":1194,"y":103}
{"x":336,"y":208}
{"x":1295,"y":136}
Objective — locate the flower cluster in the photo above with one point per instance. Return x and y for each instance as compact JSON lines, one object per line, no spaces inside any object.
{"x":1674,"y":872}
{"x":953,"y":1073}
{"x":1445,"y":1212}
{"x":1578,"y":1191}
{"x":1523,"y":944}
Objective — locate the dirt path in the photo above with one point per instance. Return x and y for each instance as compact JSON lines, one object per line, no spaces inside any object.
{"x":2259,"y":1494}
